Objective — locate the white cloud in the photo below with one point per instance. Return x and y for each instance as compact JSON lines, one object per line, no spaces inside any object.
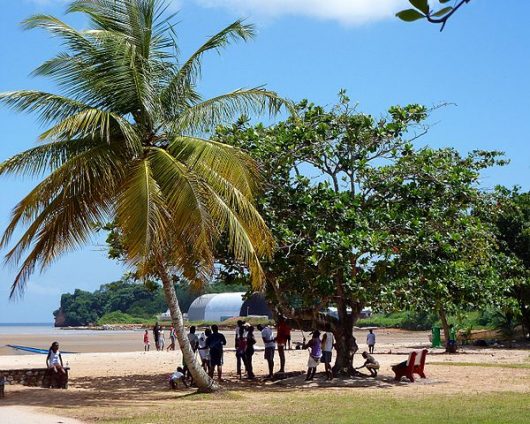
{"x":348,"y":12}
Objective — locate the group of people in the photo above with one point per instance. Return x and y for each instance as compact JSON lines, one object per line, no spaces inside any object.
{"x":321,"y":350}
{"x":159,"y":338}
{"x":210,"y":345}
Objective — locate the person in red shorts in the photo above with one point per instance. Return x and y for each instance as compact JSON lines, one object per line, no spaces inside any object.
{"x":283,"y":333}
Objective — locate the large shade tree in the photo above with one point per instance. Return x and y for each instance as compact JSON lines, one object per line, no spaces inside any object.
{"x":329,"y":225}
{"x":363,"y":217}
{"x":125,"y":142}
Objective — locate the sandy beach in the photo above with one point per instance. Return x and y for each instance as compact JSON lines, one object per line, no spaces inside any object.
{"x":105,"y":382}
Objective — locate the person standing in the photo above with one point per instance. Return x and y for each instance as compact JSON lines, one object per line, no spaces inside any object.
{"x":172,"y":338}
{"x":328,"y":341}
{"x":370,"y":341}
{"x":216,"y":341}
{"x":147,"y":344}
{"x":204,"y":350}
{"x":251,"y":341}
{"x":270,"y":347}
{"x":241,"y":349}
{"x":156,"y":333}
{"x":283,"y":332}
{"x":240,"y":344}
{"x":194,"y":343}
{"x":315,"y":353}
{"x":161,"y":339}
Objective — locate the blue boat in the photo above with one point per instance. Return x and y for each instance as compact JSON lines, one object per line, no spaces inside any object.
{"x":32,"y":349}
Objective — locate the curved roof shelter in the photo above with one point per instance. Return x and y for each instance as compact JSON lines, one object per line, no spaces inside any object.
{"x":221,"y":306}
{"x":216,"y":307}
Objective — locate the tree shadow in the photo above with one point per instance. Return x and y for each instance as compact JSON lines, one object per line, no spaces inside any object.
{"x":137,"y":389}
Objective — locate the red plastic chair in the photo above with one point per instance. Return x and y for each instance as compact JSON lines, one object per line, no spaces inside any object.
{"x":415,"y":365}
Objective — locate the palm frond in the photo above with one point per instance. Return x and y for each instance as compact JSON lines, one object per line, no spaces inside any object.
{"x":226,"y":107}
{"x":62,"y":211}
{"x":185,"y":198}
{"x":141,"y":213}
{"x":188,"y":73}
{"x":98,"y":166}
{"x":47,"y":157}
{"x":50,"y":107}
{"x":227,"y":161}
{"x":239,"y":235}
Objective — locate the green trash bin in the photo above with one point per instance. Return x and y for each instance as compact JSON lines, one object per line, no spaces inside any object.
{"x":436,"y":341}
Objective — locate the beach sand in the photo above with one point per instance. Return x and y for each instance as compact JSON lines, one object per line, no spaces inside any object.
{"x":104,"y":383}
{"x":89,"y":341}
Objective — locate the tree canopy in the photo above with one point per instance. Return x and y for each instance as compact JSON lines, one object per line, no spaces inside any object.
{"x":359,"y":214}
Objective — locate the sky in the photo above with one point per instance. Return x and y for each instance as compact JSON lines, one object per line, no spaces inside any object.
{"x":480,"y":64}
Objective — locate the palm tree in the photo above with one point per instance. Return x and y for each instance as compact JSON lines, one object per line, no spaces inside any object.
{"x":125,"y":141}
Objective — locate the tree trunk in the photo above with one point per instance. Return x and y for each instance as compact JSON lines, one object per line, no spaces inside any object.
{"x":344,"y":331}
{"x":343,"y":342}
{"x":203,"y":381}
{"x":445,"y":324}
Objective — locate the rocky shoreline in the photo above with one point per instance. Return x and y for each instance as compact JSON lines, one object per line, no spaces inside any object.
{"x":110,"y":327}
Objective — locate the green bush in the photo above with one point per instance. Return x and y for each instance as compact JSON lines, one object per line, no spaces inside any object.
{"x":406,"y":320}
{"x":118,"y":317}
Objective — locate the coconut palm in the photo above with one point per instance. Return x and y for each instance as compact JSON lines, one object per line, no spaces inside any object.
{"x":125,"y":141}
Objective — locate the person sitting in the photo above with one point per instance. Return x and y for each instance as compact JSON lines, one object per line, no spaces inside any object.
{"x":54,"y":360}
{"x":176,"y":377}
{"x":370,"y":364}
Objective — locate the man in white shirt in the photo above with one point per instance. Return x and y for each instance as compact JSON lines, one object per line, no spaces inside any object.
{"x":270,"y":346}
{"x":327,"y":349}
{"x":370,"y":341}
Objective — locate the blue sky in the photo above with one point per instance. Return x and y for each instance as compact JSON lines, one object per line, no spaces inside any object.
{"x":304,"y":49}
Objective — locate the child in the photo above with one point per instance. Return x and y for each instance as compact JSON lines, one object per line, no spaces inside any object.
{"x":54,"y":360}
{"x":370,"y":341}
{"x":370,"y":364}
{"x":147,"y":344}
{"x":177,"y":376}
{"x":315,"y":352}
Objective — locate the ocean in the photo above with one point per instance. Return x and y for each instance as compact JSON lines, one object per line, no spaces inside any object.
{"x":28,"y":328}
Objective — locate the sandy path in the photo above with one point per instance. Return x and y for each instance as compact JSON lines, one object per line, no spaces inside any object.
{"x":24,"y":415}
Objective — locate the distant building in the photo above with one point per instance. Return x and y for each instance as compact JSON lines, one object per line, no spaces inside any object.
{"x":221,"y":306}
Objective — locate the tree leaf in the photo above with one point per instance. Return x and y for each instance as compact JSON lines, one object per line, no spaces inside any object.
{"x":409,"y":15}
{"x":422,"y":5}
{"x":442,"y":12}
{"x":444,"y":1}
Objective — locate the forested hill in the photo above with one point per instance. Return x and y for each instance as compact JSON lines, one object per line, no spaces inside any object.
{"x":136,"y":299}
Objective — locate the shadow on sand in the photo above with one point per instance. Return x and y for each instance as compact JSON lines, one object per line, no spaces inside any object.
{"x":124,"y":391}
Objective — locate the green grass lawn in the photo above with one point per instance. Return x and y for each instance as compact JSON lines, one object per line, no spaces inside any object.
{"x":326,"y":406}
{"x":478,"y":364}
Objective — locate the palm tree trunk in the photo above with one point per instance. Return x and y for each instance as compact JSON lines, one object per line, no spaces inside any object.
{"x":203,"y":381}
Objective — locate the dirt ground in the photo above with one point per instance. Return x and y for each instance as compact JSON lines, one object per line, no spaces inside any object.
{"x":139,"y":379}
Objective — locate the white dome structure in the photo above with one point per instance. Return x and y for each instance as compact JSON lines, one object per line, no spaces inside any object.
{"x":216,"y":307}
{"x":221,"y":306}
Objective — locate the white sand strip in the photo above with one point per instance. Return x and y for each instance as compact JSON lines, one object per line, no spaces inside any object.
{"x":26,"y":415}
